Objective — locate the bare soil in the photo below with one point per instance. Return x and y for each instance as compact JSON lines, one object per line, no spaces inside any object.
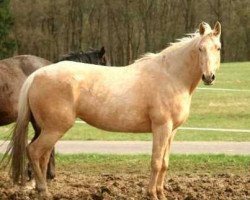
{"x":195,"y":186}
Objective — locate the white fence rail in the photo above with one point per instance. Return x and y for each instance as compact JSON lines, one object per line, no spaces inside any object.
{"x":210,"y":129}
{"x":224,"y":89}
{"x":200,"y":129}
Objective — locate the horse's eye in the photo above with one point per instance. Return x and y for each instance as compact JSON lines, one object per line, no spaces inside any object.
{"x":200,"y":49}
{"x":218,"y":48}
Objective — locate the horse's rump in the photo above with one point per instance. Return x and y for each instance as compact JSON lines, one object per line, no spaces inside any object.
{"x":13,"y":72}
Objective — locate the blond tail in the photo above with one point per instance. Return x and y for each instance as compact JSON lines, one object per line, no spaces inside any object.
{"x":19,"y":140}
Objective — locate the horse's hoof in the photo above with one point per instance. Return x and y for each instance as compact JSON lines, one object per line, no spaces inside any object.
{"x":30,"y":185}
{"x":51,"y":175}
{"x":45,"y":195}
{"x":152,"y":197}
{"x":43,"y":192}
{"x":162,"y":197}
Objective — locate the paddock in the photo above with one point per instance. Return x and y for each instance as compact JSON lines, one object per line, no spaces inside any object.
{"x":191,"y":176}
{"x":125,"y":177}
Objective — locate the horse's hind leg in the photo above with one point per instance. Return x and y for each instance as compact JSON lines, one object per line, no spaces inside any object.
{"x":37,"y":133}
{"x":51,"y":172}
{"x":39,"y":154}
{"x":51,"y":164}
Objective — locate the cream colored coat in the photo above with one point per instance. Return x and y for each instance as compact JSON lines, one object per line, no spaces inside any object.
{"x":153,"y":94}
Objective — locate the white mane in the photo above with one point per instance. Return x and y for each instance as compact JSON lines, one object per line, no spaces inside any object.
{"x":179,"y":43}
{"x":146,"y":57}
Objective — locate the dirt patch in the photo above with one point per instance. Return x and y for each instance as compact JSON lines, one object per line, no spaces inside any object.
{"x":76,"y":186}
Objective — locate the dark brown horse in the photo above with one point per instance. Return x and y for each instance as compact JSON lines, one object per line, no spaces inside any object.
{"x":92,"y":56}
{"x":13,"y":73}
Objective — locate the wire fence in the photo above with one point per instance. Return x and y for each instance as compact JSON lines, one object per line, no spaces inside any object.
{"x":224,"y":89}
{"x":200,"y":128}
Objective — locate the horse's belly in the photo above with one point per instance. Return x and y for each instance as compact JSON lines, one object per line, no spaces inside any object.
{"x":120,"y":119}
{"x":118,"y":126}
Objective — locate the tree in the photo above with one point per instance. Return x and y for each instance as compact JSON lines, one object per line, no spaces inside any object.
{"x":7,"y":44}
{"x":128,"y":29}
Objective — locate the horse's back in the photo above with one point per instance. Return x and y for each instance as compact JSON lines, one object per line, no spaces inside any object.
{"x":17,"y":68}
{"x":26,"y":63}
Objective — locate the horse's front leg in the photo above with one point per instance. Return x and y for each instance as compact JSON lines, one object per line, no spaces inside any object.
{"x":164,"y":168}
{"x":161,"y":133}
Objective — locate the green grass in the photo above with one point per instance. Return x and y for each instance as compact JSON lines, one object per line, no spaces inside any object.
{"x":209,"y":109}
{"x":95,"y":163}
{"x":86,"y":132}
{"x":118,"y":164}
{"x":233,"y":75}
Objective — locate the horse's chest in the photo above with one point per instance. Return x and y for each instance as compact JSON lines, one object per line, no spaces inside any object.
{"x":180,"y":112}
{"x":173,"y":108}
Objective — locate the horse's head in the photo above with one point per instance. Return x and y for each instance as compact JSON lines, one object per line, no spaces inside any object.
{"x":98,"y":57}
{"x":209,"y":51}
{"x":92,"y":56}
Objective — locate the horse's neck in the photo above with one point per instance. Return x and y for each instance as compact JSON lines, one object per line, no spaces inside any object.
{"x":184,"y":66}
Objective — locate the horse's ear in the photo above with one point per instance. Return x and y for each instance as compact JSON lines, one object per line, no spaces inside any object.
{"x":217,"y":29}
{"x":102,"y":51}
{"x":202,"y":28}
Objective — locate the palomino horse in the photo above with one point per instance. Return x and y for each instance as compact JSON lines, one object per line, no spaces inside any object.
{"x":13,"y":73}
{"x":152,"y":94}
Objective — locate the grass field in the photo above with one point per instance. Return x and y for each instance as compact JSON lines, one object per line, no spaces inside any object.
{"x":141,"y":163}
{"x":209,"y":109}
{"x":116,"y":164}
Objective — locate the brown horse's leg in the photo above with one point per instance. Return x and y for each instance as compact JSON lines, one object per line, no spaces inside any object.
{"x":160,"y":141}
{"x":39,"y":154}
{"x":51,"y":164}
{"x":165,"y":163}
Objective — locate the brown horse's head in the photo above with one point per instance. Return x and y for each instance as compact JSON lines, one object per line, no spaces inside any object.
{"x":93,"y":56}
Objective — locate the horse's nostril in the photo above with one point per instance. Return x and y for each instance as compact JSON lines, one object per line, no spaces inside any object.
{"x":208,"y":80}
{"x":203,"y":77}
{"x":213,"y":77}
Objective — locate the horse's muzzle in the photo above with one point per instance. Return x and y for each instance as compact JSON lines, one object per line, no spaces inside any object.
{"x":208,"y":79}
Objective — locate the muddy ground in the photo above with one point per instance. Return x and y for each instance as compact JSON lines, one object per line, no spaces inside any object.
{"x":131,"y":186}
